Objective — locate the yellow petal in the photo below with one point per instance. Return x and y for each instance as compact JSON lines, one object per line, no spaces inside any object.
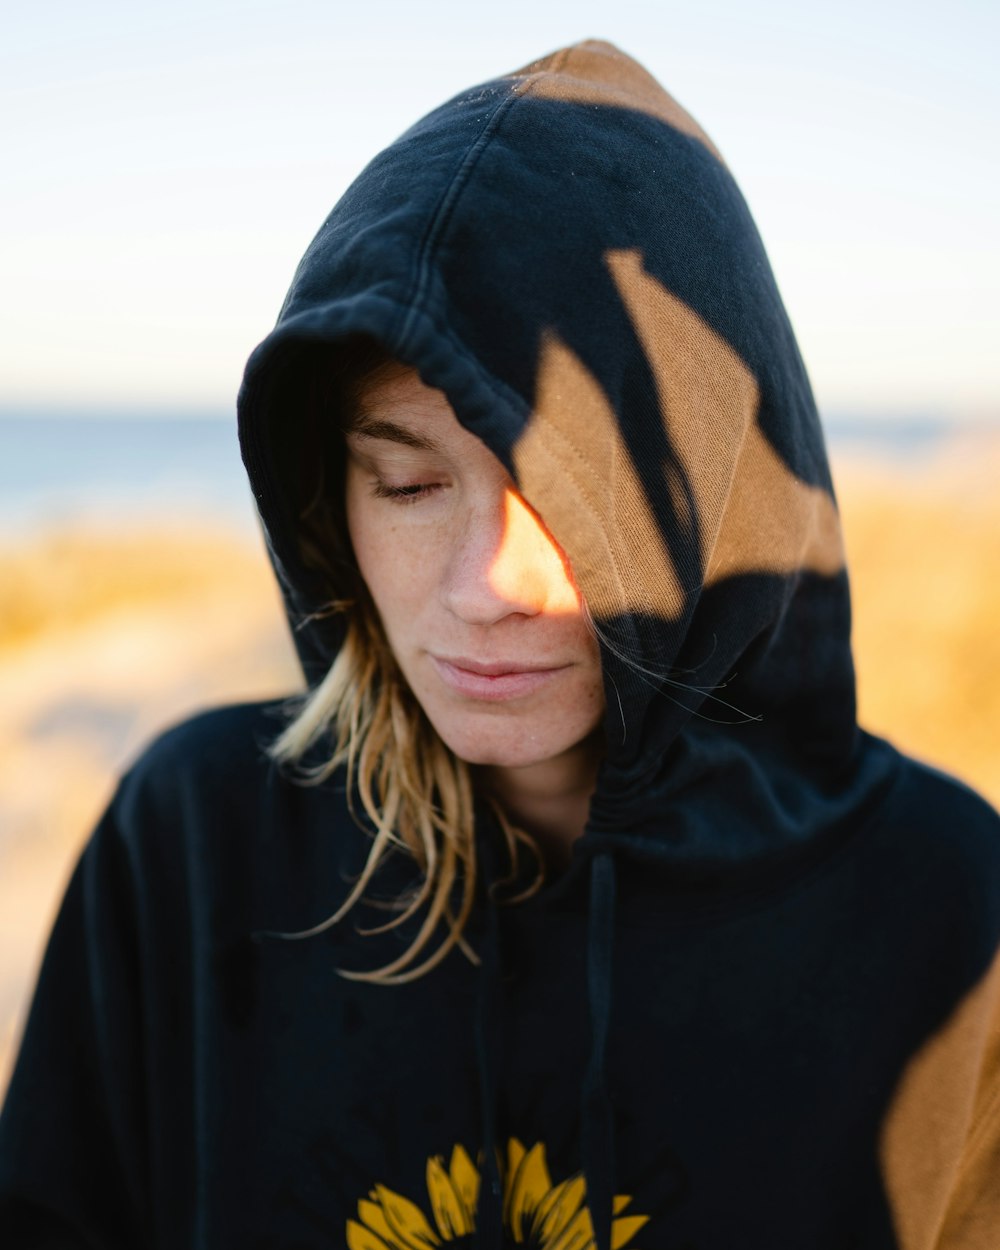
{"x":625,"y":1229}
{"x":449,"y":1210}
{"x":465,"y":1179}
{"x":577,"y":1235}
{"x":515,"y":1153}
{"x":374,"y":1218}
{"x":564,"y":1209}
{"x":408,"y":1223}
{"x":549,"y":1201}
{"x":361,"y":1238}
{"x":620,"y":1202}
{"x":528,"y":1186}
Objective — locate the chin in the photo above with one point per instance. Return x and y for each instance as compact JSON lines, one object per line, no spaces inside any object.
{"x":511,"y":747}
{"x":473,"y":750}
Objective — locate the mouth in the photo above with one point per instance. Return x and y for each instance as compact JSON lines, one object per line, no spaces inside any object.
{"x":494,"y":681}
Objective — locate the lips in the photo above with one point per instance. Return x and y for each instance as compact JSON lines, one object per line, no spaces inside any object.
{"x":496,"y":680}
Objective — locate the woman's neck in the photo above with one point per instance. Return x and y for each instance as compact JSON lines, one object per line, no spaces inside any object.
{"x":550,"y":799}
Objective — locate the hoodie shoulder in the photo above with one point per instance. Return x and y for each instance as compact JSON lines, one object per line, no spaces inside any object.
{"x":225,"y":737}
{"x":937,"y":800}
{"x":209,"y":770}
{"x":943,"y":840}
{"x":206,"y":817}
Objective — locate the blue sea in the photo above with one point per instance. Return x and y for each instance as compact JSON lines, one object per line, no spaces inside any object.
{"x":58,"y":469}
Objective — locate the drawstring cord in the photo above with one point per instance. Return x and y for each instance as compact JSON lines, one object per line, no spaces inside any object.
{"x":489,"y":1217}
{"x":596,"y":1116}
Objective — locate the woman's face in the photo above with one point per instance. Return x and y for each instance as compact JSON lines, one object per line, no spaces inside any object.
{"x":476,"y":598}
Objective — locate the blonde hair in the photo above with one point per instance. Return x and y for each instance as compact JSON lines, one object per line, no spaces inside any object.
{"x":416,"y":793}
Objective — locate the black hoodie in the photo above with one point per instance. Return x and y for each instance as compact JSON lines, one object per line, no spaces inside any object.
{"x":761,"y":1008}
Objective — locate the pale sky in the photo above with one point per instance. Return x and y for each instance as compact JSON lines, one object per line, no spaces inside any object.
{"x":165,"y":165}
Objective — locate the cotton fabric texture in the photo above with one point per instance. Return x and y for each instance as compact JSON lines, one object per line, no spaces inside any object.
{"x":761,"y":1008}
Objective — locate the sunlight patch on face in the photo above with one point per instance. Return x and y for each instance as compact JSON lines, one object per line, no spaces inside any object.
{"x":528,"y":565}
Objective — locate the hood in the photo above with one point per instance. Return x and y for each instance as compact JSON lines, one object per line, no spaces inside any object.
{"x":563,"y":252}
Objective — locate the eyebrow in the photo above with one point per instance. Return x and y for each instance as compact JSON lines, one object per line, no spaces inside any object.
{"x":377,"y":427}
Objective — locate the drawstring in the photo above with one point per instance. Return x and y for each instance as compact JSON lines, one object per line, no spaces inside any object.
{"x":595,"y":1104}
{"x":597,"y":1125}
{"x":489,"y":1216}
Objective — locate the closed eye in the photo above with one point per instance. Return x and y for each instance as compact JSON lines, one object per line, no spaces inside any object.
{"x":403,"y":494}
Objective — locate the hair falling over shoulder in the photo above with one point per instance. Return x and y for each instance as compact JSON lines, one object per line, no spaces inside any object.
{"x":415,"y":793}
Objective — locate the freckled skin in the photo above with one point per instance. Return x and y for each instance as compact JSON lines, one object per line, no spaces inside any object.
{"x":461,"y":568}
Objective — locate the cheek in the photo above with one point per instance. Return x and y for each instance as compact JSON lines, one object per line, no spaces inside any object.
{"x":393,"y":566}
{"x":591,"y":700}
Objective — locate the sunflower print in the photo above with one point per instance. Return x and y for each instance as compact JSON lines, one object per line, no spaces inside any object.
{"x":536,"y":1214}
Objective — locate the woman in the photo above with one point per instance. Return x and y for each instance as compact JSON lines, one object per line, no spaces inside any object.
{"x":572,"y":907}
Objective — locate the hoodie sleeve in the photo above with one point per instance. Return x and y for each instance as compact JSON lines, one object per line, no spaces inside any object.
{"x":941,"y":1140}
{"x":72,"y":1139}
{"x":972,"y":1218}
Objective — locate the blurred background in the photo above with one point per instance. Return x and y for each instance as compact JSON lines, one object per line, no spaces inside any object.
{"x":166,"y":165}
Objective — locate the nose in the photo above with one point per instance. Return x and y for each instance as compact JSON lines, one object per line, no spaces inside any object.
{"x":505,"y":563}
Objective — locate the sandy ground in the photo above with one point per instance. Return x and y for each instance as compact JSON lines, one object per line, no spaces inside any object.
{"x":106,"y":637}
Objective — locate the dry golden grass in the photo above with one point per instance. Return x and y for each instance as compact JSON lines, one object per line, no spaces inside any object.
{"x":924,"y":554}
{"x":106,"y":636}
{"x":70,"y":577}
